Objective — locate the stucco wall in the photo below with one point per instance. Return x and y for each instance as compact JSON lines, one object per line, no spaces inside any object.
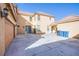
{"x":4,"y":27}
{"x":9,"y":28}
{"x":9,"y":33}
{"x":21,"y":22}
{"x":26,"y":17}
{"x":2,"y":36}
{"x":71,"y":27}
{"x":44,"y":22}
{"x":2,"y":33}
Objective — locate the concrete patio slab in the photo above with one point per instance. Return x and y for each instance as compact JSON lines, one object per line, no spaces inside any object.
{"x":49,"y":45}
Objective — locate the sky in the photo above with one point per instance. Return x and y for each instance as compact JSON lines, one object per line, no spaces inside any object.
{"x":58,"y":10}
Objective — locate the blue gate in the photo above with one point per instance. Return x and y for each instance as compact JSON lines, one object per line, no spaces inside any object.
{"x":63,"y":33}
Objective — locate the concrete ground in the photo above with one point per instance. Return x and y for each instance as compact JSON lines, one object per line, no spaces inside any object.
{"x":36,"y":45}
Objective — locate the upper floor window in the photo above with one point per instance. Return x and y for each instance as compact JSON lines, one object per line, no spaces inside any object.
{"x":30,"y":18}
{"x":38,"y":17}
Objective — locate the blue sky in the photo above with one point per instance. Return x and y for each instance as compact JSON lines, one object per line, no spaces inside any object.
{"x":58,"y":10}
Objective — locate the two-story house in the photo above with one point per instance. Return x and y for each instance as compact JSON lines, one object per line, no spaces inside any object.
{"x":41,"y":22}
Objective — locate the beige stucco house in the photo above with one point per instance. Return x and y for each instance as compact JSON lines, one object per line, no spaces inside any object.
{"x":38,"y":22}
{"x":24,"y":22}
{"x":41,"y":22}
{"x":67,"y":27}
{"x":69,"y":24}
{"x":8,"y":18}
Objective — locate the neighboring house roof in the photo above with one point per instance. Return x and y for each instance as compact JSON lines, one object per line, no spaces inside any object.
{"x":69,"y":19}
{"x":66,"y":20}
{"x":32,"y":14}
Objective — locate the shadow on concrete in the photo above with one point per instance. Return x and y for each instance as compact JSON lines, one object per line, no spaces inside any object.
{"x":69,"y":47}
{"x":59,"y":48}
{"x":20,"y":42}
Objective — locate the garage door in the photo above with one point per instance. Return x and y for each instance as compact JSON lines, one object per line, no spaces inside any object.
{"x":9,"y":32}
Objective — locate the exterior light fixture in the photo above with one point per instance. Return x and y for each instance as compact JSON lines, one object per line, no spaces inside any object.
{"x":18,"y":26}
{"x":4,"y":12}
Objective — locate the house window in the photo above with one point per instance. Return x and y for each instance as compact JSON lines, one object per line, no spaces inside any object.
{"x":30,"y":18}
{"x":38,"y":17}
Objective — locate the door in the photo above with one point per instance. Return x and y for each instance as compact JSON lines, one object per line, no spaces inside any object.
{"x":9,"y":32}
{"x":28,"y":29}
